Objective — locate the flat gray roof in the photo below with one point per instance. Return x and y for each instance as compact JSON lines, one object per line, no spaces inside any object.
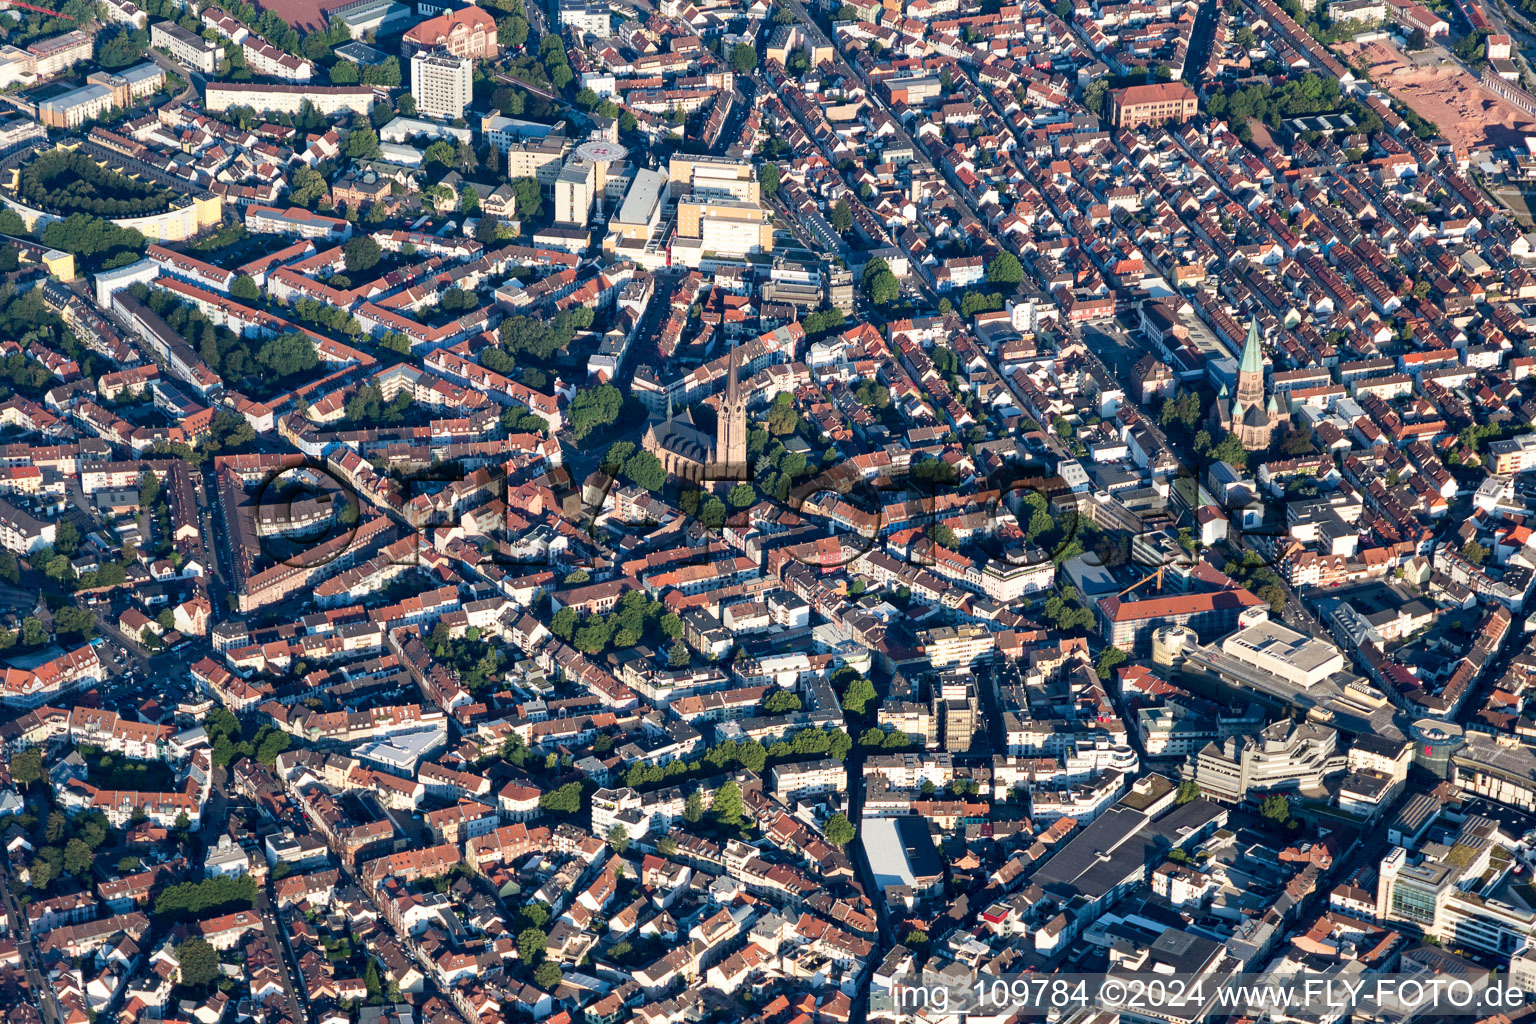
{"x":643,"y":196}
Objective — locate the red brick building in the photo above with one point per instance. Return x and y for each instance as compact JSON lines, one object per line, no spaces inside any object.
{"x":469,"y":32}
{"x":1152,"y":104}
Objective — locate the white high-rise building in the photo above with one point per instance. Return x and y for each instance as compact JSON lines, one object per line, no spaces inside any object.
{"x":442,"y":84}
{"x":575,"y":191}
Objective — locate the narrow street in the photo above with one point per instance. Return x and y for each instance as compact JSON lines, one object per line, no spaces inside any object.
{"x":25,"y":945}
{"x":1201,"y":40}
{"x":278,"y":942}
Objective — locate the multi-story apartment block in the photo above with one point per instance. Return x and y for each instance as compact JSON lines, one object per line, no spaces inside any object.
{"x":22,"y":532}
{"x":265,"y":59}
{"x":800,"y":780}
{"x":296,"y":221}
{"x":53,"y":56}
{"x":1513,"y":454}
{"x":441,"y":83}
{"x":189,"y":48}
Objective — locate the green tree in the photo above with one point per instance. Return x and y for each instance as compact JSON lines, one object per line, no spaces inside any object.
{"x":1276,"y":809}
{"x":839,"y":830}
{"x":44,"y":869}
{"x":77,"y":858}
{"x":841,"y":217}
{"x":1004,"y":269}
{"x":269,"y":747}
{"x":565,"y":800}
{"x":1108,"y":659}
{"x":743,"y":59}
{"x":858,"y":696}
{"x":693,"y":808}
{"x":1188,"y":790}
{"x":742,"y":495}
{"x":362,"y":253}
{"x":768,"y":178}
{"x":645,"y":470}
{"x":27,"y":768}
{"x":529,"y":199}
{"x":244,"y":288}
{"x":33,"y":632}
{"x":781,"y":702}
{"x":288,"y":354}
{"x":728,"y":808}
{"x":594,"y":409}
{"x":489,"y":230}
{"x":306,"y":187}
{"x":564,"y":624}
{"x":618,"y":839}
{"x":618,"y":453}
{"x":531,"y":943}
{"x":199,"y":963}
{"x":211,"y":896}
{"x":512,"y":32}
{"x":548,"y":976}
{"x":1094,"y":93}
{"x":943,"y":536}
{"x":362,"y":143}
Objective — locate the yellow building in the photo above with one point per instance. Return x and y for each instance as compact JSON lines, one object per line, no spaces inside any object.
{"x":787,"y":39}
{"x":719,"y":211}
{"x":713,"y":177}
{"x":725,"y":227}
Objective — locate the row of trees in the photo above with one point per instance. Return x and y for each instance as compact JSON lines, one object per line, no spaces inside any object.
{"x":594,"y":409}
{"x":68,"y":181}
{"x":227,"y":738}
{"x":751,"y":755}
{"x":636,"y":618}
{"x":211,"y":896}
{"x":387,"y":74}
{"x":98,"y":242}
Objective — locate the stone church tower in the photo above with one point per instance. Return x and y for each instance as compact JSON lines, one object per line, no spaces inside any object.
{"x":731,"y":426}
{"x":687,"y":452}
{"x":1249,"y":414}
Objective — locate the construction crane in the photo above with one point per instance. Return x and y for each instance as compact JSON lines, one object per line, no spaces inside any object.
{"x":34,"y":7}
{"x":1158,"y":575}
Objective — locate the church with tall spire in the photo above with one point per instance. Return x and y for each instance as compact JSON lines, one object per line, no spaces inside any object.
{"x":1250,"y":413}
{"x":687,"y":452}
{"x":731,"y":425}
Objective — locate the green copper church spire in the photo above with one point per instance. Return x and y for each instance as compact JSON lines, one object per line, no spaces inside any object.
{"x":1253,"y":353}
